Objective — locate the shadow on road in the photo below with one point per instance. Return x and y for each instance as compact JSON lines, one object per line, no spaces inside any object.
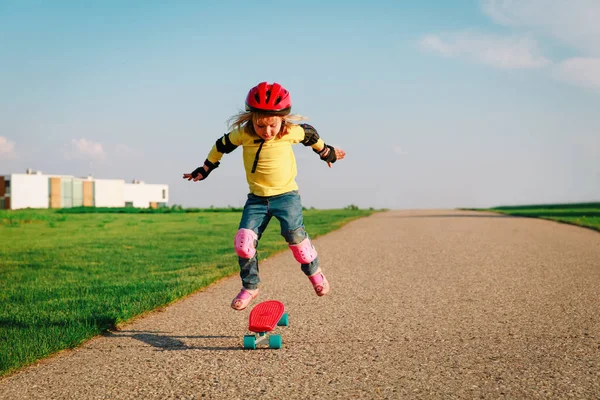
{"x":170,"y":343}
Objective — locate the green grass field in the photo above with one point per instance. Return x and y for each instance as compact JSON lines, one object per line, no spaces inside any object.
{"x":581,"y":214}
{"x":67,"y":275}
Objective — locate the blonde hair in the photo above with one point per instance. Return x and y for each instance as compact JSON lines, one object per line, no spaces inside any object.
{"x":244,"y":119}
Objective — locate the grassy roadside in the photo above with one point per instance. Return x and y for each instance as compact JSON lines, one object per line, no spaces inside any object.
{"x":580,"y":214}
{"x":66,"y":276}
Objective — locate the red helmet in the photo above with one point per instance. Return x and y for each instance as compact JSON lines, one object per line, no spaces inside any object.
{"x":270,"y":99}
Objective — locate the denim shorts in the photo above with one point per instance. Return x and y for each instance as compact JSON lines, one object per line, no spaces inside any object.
{"x":286,"y":207}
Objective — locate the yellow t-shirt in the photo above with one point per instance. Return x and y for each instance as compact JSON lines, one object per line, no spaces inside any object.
{"x":275,"y":171}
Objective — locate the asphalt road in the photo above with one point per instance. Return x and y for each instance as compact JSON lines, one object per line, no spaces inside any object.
{"x":424,"y":304}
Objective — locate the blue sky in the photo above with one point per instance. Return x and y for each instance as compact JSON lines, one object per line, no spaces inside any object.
{"x":438,"y":104}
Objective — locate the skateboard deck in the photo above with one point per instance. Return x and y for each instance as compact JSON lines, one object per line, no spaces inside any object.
{"x":264,"y":317}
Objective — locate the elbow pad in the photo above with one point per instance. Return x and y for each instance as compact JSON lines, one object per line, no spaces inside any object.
{"x":224,"y":144}
{"x":310,"y":135}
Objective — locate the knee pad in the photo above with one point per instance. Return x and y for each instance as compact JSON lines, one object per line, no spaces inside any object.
{"x":244,"y":243}
{"x":304,"y":252}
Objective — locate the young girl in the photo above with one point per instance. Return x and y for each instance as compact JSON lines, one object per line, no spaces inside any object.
{"x":266,"y":132}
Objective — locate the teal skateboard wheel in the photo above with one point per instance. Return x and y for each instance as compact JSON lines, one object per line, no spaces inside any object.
{"x":275,"y":341}
{"x":283,"y":321}
{"x":250,"y":342}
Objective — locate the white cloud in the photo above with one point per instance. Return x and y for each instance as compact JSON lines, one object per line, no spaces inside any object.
{"x":435,"y":43}
{"x":83,"y":148}
{"x":497,"y":51}
{"x":573,"y":22}
{"x":580,"y":71}
{"x":7,"y":148}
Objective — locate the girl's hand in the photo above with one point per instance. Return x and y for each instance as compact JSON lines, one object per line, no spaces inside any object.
{"x":339,"y":154}
{"x":188,"y":177}
{"x":199,"y":177}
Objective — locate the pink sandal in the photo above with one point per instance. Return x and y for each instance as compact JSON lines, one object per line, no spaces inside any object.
{"x":320,"y":283}
{"x":243,"y":299}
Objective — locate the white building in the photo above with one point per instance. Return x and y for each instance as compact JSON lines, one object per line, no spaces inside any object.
{"x":35,"y":190}
{"x":138,"y":193}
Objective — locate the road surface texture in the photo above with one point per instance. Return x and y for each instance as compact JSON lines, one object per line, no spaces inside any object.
{"x":424,"y":304}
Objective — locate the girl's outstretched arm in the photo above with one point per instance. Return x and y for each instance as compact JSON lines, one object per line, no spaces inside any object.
{"x":328,"y":153}
{"x":224,"y":145}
